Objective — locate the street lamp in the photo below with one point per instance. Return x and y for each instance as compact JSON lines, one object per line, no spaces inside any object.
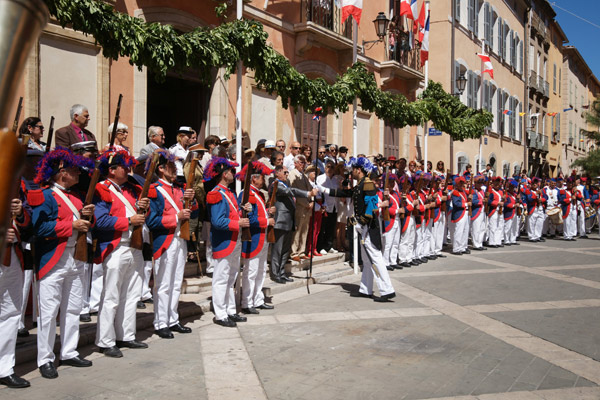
{"x":381,"y":25}
{"x":533,"y":120}
{"x":461,"y":83}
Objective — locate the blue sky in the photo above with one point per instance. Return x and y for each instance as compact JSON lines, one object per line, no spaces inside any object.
{"x":581,"y":34}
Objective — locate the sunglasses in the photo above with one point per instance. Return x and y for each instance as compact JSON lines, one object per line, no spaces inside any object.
{"x":286,"y":172}
{"x":295,"y":148}
{"x":280,"y":147}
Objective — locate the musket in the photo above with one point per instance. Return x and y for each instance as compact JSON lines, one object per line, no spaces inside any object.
{"x":193,"y":235}
{"x":385,"y":211}
{"x":137,"y":241}
{"x":503,"y":198}
{"x":272,"y":199}
{"x":518,"y":199}
{"x":113,"y":134}
{"x":418,"y":192}
{"x":50,"y":134}
{"x":471,"y":190}
{"x":81,"y":247}
{"x":443,"y":208}
{"x":184,"y":231}
{"x":15,"y":125}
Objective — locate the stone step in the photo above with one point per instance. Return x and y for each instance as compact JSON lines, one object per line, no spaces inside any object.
{"x":195,"y":283}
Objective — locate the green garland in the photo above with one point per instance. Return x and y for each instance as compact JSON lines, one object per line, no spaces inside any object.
{"x":160,"y":48}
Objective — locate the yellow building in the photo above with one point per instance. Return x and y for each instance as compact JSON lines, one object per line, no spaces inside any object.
{"x":459,"y":28}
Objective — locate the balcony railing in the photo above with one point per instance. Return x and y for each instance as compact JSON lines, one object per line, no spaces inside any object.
{"x":328,"y":15}
{"x":543,"y":86}
{"x":403,"y":54}
{"x":537,"y":141}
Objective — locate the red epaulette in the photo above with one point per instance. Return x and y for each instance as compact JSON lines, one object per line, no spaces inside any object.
{"x":213,"y":197}
{"x":103,"y":192}
{"x":252,"y":198}
{"x":152,"y":192}
{"x":23,"y":186}
{"x":455,"y":193}
{"x":562,"y":191}
{"x":35,"y":197}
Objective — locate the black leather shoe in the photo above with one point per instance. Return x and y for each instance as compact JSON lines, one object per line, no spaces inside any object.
{"x":23,"y":332}
{"x":76,"y":362}
{"x":113,"y":352}
{"x":423,"y":260}
{"x":48,"y":370}
{"x":441,"y":256}
{"x":385,"y":298}
{"x":467,"y":251}
{"x":477,"y":248}
{"x":132,"y":344}
{"x":516,"y":244}
{"x":15,"y":382}
{"x":398,"y":266}
{"x":250,"y":310}
{"x":237,"y":318}
{"x":278,"y":280}
{"x":180,"y":328}
{"x":225,"y":322}
{"x":85,"y":317}
{"x":265,"y":306}
{"x":484,"y":248}
{"x":164,"y":333}
{"x":542,"y":240}
{"x":287,"y":279}
{"x":148,"y":301}
{"x":141,"y":305}
{"x":360,"y":294}
{"x":414,"y":263}
{"x":432,"y":257}
{"x":458,"y":253}
{"x":389,"y":268}
{"x":405,"y":265}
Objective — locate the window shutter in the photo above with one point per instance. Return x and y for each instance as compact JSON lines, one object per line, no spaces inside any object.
{"x":513,"y":49}
{"x":500,"y":37}
{"x":476,"y":17}
{"x":499,"y":111}
{"x":470,"y":89}
{"x":520,"y":129}
{"x":491,"y":27}
{"x":457,"y":10}
{"x":513,"y":119}
{"x":505,"y":42}
{"x":471,"y":15}
{"x":521,"y":57}
{"x":558,"y":126}
{"x":486,"y":23}
{"x":485,"y":93}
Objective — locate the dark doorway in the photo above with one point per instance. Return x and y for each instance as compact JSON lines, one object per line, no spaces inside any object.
{"x":177,"y":102}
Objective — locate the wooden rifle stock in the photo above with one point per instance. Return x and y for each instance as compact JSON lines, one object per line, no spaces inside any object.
{"x":137,"y":241}
{"x":471,"y":189}
{"x":246,"y":235}
{"x":418,"y":191}
{"x":184,"y":232}
{"x":444,"y":203}
{"x":50,"y":134}
{"x":385,"y":211}
{"x":81,"y":248}
{"x":113,"y":134}
{"x":272,"y":200}
{"x":15,"y":126}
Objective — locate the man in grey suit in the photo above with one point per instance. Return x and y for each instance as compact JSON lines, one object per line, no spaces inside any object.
{"x":285,"y":211}
{"x":300,"y":181}
{"x":156,"y":136}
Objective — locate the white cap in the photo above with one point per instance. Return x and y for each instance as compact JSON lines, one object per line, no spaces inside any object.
{"x":186,"y":129}
{"x":223,"y":139}
{"x":270,"y":144}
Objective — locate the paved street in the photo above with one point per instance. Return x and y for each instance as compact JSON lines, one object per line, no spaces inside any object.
{"x":519,"y":322}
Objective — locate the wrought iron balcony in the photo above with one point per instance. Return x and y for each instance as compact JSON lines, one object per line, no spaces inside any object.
{"x":402,"y":53}
{"x":328,"y":15}
{"x":533,"y":80}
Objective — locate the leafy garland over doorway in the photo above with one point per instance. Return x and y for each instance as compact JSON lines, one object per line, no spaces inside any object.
{"x":160,"y":48}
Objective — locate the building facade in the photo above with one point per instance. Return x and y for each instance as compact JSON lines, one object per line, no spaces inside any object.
{"x":67,"y":67}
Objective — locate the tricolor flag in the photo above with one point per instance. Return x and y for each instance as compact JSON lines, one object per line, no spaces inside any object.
{"x":422,"y":30}
{"x":352,"y":7}
{"x":425,"y":43}
{"x":552,"y":114}
{"x":409,"y":8}
{"x":317,"y":115}
{"x":567,"y":109}
{"x":487,"y":65}
{"x":422,"y":16}
{"x":507,"y":112}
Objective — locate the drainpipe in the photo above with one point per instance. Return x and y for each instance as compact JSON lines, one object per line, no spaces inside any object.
{"x":452,"y":74}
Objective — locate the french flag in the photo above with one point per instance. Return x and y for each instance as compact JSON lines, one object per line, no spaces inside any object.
{"x":352,"y":7}
{"x":425,"y":43}
{"x":409,"y":8}
{"x":487,"y":64}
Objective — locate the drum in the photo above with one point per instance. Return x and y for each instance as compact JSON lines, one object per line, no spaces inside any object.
{"x":555,"y":215}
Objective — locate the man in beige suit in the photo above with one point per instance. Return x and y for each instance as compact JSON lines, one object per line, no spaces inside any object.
{"x":300,"y":181}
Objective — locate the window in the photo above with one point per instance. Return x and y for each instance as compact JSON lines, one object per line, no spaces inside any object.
{"x":487,"y":24}
{"x":505,"y":169}
{"x":554,"y":78}
{"x":499,"y":112}
{"x":531,"y":58}
{"x":462,"y":161}
{"x":560,"y":82}
{"x":570,"y":133}
{"x":391,"y":141}
{"x":575,"y":98}
{"x":457,"y":10}
{"x":506,"y":44}
{"x":512,"y":118}
{"x":472,"y":89}
{"x":500,"y":36}
{"x":473,"y":15}
{"x":516,"y":169}
{"x":309,"y":130}
{"x":570,"y":93}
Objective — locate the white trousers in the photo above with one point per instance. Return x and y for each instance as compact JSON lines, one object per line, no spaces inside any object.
{"x":570,"y":223}
{"x":407,"y":242}
{"x":11,"y":301}
{"x":28,"y":283}
{"x":427,"y":234}
{"x":146,"y":292}
{"x":210,"y":261}
{"x":253,"y":278}
{"x":120,"y":294}
{"x":391,"y":239}
{"x":373,"y":258}
{"x":420,"y":240}
{"x":535,"y":223}
{"x":495,"y":229}
{"x":581,"y":231}
{"x":224,"y":275}
{"x":61,"y":289}
{"x":478,"y":227}
{"x":97,"y":287}
{"x":87,"y":283}
{"x":511,"y":229}
{"x":437,"y":234}
{"x":168,"y":277}
{"x":459,"y":232}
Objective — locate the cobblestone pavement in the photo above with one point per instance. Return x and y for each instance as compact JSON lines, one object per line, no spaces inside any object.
{"x":519,"y":322}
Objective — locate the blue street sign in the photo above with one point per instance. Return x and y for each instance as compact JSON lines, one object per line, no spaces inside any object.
{"x":434,"y":132}
{"x":484,"y":140}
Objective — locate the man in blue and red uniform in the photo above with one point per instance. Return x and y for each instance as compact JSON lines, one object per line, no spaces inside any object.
{"x":254,"y":252}
{"x":459,"y":220}
{"x":536,"y":205}
{"x":226,"y":223}
{"x":391,"y":228}
{"x":567,"y":199}
{"x":169,"y":249}
{"x":407,"y":224}
{"x":57,"y":217}
{"x":494,"y":216}
{"x":117,"y":214}
{"x":478,"y":217}
{"x":511,"y":221}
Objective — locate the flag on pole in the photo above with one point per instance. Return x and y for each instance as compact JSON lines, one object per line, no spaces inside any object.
{"x":409,"y":8}
{"x":567,"y":109}
{"x":422,"y":30}
{"x":521,"y":114}
{"x":425,"y":43}
{"x":487,"y":65}
{"x":421,"y":19}
{"x":552,"y":114}
{"x":507,"y":112}
{"x":352,"y":7}
{"x":317,"y":115}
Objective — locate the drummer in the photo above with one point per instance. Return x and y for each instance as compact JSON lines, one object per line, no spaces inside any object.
{"x":551,"y":225}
